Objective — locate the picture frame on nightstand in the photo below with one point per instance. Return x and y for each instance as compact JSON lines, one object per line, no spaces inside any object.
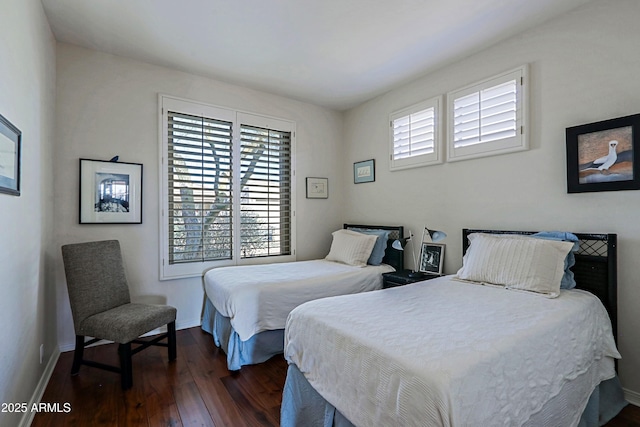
{"x":431,"y":258}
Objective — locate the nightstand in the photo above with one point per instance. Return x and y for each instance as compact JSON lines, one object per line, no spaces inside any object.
{"x":400,"y":278}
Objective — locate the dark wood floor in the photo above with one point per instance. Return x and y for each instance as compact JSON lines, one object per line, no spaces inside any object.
{"x":195,"y":390}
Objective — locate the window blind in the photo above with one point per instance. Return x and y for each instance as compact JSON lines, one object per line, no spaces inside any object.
{"x":487,"y":115}
{"x":265,"y":205}
{"x":414,"y":134}
{"x":200,"y":188}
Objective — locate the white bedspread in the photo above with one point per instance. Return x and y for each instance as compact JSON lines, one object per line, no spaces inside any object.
{"x":446,"y":353}
{"x":259,"y":298}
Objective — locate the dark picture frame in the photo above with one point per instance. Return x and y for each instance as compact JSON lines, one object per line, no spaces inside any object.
{"x":317,"y":188}
{"x":110,"y":192}
{"x":10,"y":158}
{"x":431,"y":258}
{"x":603,"y":156}
{"x":364,"y":171}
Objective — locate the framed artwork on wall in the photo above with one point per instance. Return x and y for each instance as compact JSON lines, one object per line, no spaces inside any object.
{"x":10,"y":145}
{"x":431,"y":258}
{"x":603,"y":156}
{"x":364,"y":171}
{"x":317,"y":188}
{"x":110,"y":192}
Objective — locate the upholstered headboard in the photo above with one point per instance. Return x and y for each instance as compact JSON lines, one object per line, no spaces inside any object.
{"x":392,"y":257}
{"x":595,"y":269}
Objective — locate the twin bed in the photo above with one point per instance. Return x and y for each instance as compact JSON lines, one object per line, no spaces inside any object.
{"x":246,"y":307}
{"x":523,"y":334}
{"x":500,"y":343}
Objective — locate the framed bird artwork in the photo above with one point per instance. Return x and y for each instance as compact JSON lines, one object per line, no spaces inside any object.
{"x":603,"y":156}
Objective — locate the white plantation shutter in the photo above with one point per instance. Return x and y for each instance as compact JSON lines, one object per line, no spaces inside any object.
{"x":485,"y":115}
{"x":414,"y":135}
{"x":265,"y":228}
{"x":487,"y":118}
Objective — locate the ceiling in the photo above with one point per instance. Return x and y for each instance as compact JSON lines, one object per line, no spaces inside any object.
{"x":334,"y":53}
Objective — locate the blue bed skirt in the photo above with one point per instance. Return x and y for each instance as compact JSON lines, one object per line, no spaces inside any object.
{"x":257,"y":349}
{"x":302,"y":405}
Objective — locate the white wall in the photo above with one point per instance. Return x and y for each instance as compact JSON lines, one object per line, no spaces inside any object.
{"x":584,"y":67}
{"x":108,"y":105}
{"x":27,"y":308}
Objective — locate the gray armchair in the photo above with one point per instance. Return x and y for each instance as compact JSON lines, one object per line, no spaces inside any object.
{"x":102,"y":307}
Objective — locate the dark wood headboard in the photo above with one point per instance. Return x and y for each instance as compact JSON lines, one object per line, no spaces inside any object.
{"x":595,"y":270}
{"x":392,"y":257}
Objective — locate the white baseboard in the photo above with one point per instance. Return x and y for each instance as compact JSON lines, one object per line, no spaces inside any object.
{"x":632,"y":397}
{"x":27,"y":418}
{"x":179,"y":325}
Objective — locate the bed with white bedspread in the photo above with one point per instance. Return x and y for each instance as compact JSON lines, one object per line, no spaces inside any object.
{"x":447,"y":352}
{"x":246,"y":306}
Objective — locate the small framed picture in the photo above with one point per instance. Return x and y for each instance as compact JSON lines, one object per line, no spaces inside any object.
{"x":602,"y":156}
{"x":110,"y":192}
{"x":317,"y":188}
{"x":432,"y":258}
{"x":364,"y":171}
{"x":10,"y":141}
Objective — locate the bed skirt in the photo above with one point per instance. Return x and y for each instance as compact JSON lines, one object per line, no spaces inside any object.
{"x":302,"y":405}
{"x":257,"y":349}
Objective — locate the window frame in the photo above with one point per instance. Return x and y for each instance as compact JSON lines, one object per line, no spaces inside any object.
{"x":423,"y":159}
{"x":198,"y":268}
{"x":519,"y":142}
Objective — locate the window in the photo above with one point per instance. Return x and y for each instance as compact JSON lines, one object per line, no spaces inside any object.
{"x":265,"y":224}
{"x":227,"y":190}
{"x":415,"y":135}
{"x":488,"y":118}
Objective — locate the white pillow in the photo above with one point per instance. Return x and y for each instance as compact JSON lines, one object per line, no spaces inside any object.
{"x":516,"y":262}
{"x":350,"y":247}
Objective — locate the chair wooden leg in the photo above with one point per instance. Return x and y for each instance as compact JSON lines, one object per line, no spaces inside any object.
{"x":77,"y":355}
{"x":126,"y":368}
{"x":171,"y":331}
